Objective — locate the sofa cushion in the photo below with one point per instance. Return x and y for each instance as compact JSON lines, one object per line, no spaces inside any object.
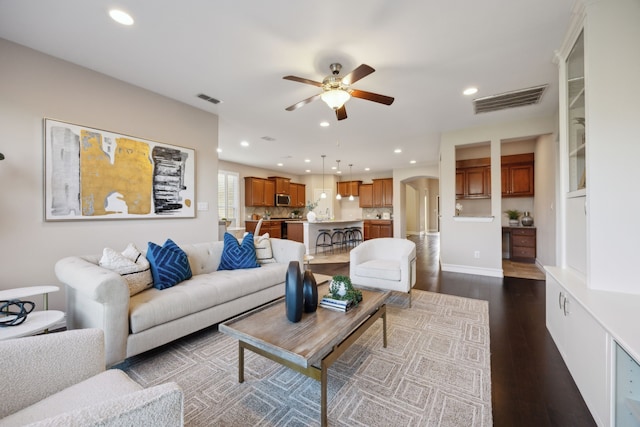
{"x":131,"y":265}
{"x":379,"y":269}
{"x":153,"y":307}
{"x":264,"y":254}
{"x":107,"y":385}
{"x":169,"y":264}
{"x":236,"y":255}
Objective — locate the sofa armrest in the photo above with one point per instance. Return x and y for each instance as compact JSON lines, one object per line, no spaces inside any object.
{"x":285,"y":251}
{"x":36,"y":367}
{"x":97,"y":298}
{"x":162,"y":405}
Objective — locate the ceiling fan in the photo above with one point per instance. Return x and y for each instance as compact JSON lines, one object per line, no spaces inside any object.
{"x":336,"y":89}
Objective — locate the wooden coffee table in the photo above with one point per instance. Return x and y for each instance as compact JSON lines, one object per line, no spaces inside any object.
{"x":311,"y":345}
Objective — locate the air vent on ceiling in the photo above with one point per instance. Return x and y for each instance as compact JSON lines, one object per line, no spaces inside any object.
{"x":209,"y":98}
{"x":516,"y":98}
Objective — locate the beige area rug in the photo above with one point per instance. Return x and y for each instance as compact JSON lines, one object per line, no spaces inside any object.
{"x":435,"y":371}
{"x":522,"y":270}
{"x":329,"y":258}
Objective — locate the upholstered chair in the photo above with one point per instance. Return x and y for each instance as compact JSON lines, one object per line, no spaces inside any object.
{"x":384,"y":263}
{"x":59,"y":379}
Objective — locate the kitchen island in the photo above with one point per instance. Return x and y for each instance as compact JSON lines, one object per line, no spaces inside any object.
{"x":310,"y":230}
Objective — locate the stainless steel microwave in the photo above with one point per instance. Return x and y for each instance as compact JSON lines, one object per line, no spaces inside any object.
{"x":283,"y":200}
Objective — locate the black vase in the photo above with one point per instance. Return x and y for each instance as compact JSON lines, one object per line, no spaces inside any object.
{"x":310,"y":292}
{"x":293,"y":296}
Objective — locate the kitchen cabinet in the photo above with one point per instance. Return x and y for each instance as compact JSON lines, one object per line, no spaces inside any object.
{"x":473,"y":178}
{"x":383,"y":193}
{"x":522,"y":243}
{"x":295,"y":231}
{"x":376,"y":228}
{"x":259,"y":192}
{"x":298,"y":195}
{"x":366,"y":195}
{"x":273,"y":227}
{"x":349,"y":188}
{"x":282,"y":185}
{"x":517,"y":175}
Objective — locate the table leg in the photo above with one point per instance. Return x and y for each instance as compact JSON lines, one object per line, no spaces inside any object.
{"x":323,"y":394}
{"x":240,"y":363}
{"x":384,"y":328}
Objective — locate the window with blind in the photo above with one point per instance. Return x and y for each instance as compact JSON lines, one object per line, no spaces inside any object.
{"x":228,"y":195}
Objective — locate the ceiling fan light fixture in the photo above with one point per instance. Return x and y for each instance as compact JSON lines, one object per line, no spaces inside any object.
{"x":335,"y":98}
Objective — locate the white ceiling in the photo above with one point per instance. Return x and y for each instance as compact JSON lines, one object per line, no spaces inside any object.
{"x":425,"y":53}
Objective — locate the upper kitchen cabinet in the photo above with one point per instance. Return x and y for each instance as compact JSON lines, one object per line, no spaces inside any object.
{"x":366,"y":195}
{"x":259,"y":192}
{"x":383,"y":193}
{"x":473,"y":178}
{"x":517,"y":175}
{"x":283,"y":185}
{"x":349,"y":188}
{"x":298,"y":194}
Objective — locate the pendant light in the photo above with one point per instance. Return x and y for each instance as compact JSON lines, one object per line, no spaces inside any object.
{"x":351,"y":198}
{"x":323,"y":195}
{"x":338,"y":196}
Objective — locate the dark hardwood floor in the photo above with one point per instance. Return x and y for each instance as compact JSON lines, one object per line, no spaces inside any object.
{"x":530,"y":383}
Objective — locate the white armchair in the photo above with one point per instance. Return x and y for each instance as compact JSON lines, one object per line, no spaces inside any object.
{"x":385,"y":263}
{"x":59,"y":379}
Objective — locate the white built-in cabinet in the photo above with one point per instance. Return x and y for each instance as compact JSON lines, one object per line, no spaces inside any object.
{"x":583,"y":344}
{"x":594,"y":325}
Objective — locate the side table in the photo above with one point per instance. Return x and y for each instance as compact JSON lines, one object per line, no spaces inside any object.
{"x":37,"y":321}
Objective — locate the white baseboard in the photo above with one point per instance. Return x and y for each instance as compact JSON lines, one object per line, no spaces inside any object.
{"x":468,"y":269}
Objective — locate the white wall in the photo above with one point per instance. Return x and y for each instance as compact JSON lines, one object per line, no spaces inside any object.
{"x":400,"y":176}
{"x":34,"y":86}
{"x":612,"y":67}
{"x":460,"y":240}
{"x":544,"y":210}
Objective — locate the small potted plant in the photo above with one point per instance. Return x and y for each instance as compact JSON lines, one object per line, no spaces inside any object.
{"x":341,"y":288}
{"x":513,"y":215}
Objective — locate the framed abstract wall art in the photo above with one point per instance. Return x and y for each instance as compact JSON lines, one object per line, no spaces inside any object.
{"x":97,"y":174}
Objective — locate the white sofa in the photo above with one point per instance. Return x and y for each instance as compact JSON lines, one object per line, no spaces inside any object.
{"x":384,"y":263}
{"x":99,"y":298}
{"x":60,"y":380}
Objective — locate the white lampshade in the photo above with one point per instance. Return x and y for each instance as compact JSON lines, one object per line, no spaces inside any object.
{"x":338,"y":196}
{"x":323,"y":195}
{"x":351,"y":198}
{"x":335,"y":98}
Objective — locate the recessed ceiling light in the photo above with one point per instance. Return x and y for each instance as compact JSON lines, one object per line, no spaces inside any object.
{"x":121,"y":17}
{"x":307,"y":160}
{"x":219,"y":150}
{"x":413,"y":162}
{"x":324,"y":124}
{"x":308,"y":170}
{"x":280,"y":164}
{"x":470,"y":90}
{"x":339,"y":172}
{"x":367,"y":169}
{"x":333,"y":168}
{"x":397,"y":151}
{"x":244,"y":143}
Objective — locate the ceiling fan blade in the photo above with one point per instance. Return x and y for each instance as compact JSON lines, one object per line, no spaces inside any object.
{"x":341,"y":113}
{"x":370,"y":96}
{"x":362,"y":71}
{"x":303,"y":102}
{"x":303,"y":80}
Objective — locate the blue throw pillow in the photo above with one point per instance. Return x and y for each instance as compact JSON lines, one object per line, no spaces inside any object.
{"x":169,"y":264}
{"x":237,"y":255}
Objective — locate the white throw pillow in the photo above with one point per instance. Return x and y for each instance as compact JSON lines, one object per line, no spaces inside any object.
{"x":131,"y":265}
{"x":263,"y":249}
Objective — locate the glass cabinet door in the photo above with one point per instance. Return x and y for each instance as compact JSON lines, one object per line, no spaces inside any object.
{"x":576,"y":116}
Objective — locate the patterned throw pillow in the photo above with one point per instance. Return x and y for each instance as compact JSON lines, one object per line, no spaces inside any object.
{"x":131,"y":265}
{"x":264,"y":255}
{"x":169,"y":264}
{"x":236,"y":255}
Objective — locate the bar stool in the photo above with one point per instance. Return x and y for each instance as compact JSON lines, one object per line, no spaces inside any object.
{"x":338,"y":238}
{"x":354,"y":236}
{"x":324,"y":240}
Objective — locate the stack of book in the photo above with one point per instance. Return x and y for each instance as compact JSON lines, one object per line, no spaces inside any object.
{"x":336,"y":304}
